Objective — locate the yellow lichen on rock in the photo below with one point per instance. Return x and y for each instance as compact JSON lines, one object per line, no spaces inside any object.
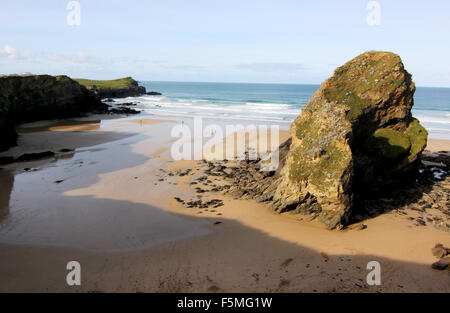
{"x":355,"y":131}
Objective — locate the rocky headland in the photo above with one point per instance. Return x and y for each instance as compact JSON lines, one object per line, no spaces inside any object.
{"x":38,"y":97}
{"x":116,"y":88}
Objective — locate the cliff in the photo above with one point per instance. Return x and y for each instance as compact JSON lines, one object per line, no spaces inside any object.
{"x":117,"y":88}
{"x":356,"y":135}
{"x":38,"y":97}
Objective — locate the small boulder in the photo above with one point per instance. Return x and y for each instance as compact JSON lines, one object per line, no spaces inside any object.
{"x":442,"y":264}
{"x":153,"y":93}
{"x":440,"y":251}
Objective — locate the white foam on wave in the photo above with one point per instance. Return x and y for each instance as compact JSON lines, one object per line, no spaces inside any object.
{"x":219,"y":117}
{"x":435,"y":129}
{"x":276,"y":110}
{"x":163,"y":105}
{"x":433,"y":120}
{"x":264,"y":105}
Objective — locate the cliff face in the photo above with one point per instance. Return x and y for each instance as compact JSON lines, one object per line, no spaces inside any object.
{"x":355,"y":135}
{"x":31,"y":98}
{"x":117,"y":88}
{"x":7,"y":131}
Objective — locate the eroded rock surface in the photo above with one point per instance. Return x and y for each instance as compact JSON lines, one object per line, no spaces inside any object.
{"x":355,"y":135}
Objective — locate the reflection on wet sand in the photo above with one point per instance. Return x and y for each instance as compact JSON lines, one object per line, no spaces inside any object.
{"x":6,"y":183}
{"x":41,"y":212}
{"x":59,"y":125}
{"x":56,"y":135}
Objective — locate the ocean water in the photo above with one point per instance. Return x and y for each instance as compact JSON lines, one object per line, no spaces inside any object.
{"x":280,"y":103}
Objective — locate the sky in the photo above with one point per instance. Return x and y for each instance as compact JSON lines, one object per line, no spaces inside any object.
{"x":279,"y":41}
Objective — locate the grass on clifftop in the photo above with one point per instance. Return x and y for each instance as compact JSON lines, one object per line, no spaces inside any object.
{"x":121,"y":83}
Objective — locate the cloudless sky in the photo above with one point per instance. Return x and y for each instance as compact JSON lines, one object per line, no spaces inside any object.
{"x":279,"y":41}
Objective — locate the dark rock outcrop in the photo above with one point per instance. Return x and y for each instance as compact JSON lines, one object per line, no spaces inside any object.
{"x":355,"y":135}
{"x":424,"y":201}
{"x":38,"y":97}
{"x":153,"y":93}
{"x":441,"y":252}
{"x":123,"y":110}
{"x":34,"y":156}
{"x":27,"y":157}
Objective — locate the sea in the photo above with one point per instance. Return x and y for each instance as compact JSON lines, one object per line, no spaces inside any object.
{"x":270,"y":103}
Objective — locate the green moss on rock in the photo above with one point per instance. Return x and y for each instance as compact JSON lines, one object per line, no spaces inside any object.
{"x":355,"y":134}
{"x":330,"y":167}
{"x":303,"y":127}
{"x":388,"y":144}
{"x":355,"y":104}
{"x":418,"y":137}
{"x":368,"y":75}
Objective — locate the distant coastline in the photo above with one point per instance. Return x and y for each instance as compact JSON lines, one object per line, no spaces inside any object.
{"x":28,"y":98}
{"x":116,"y":88}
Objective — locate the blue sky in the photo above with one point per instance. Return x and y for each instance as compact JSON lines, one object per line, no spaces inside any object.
{"x":282,"y":41}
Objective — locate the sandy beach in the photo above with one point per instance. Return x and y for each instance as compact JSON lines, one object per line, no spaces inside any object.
{"x":109,"y":204}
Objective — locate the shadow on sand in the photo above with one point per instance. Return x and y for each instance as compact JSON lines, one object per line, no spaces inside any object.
{"x":125,"y":246}
{"x":231,"y":258}
{"x":6,"y":183}
{"x":417,"y":193}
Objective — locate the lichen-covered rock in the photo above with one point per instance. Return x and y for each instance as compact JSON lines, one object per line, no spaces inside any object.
{"x":38,"y":97}
{"x":355,"y":135}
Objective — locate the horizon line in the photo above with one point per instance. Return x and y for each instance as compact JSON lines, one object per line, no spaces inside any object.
{"x":200,"y":82}
{"x":255,"y":83}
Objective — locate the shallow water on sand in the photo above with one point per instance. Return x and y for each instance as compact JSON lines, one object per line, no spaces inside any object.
{"x":36,"y":208}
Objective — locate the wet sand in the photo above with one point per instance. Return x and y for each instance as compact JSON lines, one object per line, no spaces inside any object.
{"x":109,"y":205}
{"x":435,"y":145}
{"x":54,"y":135}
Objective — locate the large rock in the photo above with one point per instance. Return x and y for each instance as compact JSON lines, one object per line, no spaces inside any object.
{"x":355,"y":135}
{"x":38,"y":97}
